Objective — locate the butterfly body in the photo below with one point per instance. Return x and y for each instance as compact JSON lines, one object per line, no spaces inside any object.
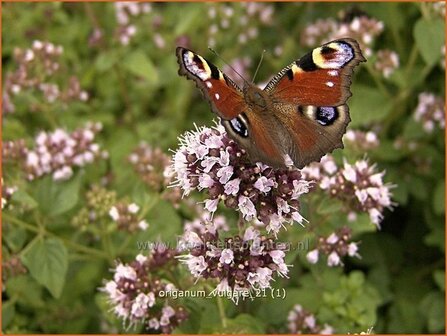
{"x":300,"y":113}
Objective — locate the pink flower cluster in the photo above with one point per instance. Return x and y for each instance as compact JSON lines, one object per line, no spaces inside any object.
{"x":58,"y":152}
{"x":126,"y":217}
{"x":239,"y":263}
{"x":203,"y":222}
{"x":304,"y":322}
{"x":7,"y":193}
{"x":335,"y":246}
{"x":361,"y":141}
{"x":430,"y":111}
{"x":387,"y":62}
{"x":247,"y":19}
{"x":209,"y":160}
{"x":134,"y":293}
{"x":35,"y":68}
{"x":358,"y":185}
{"x":152,"y":166}
{"x":360,"y":27}
{"x":124,"y":12}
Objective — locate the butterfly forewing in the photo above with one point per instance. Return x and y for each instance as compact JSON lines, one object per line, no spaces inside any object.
{"x":224,"y":96}
{"x":309,"y":99}
{"x":320,"y":78}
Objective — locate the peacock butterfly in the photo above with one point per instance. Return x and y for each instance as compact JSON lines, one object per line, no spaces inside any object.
{"x":301,"y":113}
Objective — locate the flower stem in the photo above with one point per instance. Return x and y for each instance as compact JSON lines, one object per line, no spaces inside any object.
{"x":377,"y":80}
{"x":221,"y":308}
{"x":43,"y":232}
{"x":240,"y":224}
{"x":106,"y":243}
{"x":146,"y":208}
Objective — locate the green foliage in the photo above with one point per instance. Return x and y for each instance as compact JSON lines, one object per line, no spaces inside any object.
{"x":429,"y":38}
{"x":47,"y":262}
{"x":398,"y":286}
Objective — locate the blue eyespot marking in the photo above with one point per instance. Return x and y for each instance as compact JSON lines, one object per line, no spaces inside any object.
{"x":326,"y":115}
{"x":239,"y":126}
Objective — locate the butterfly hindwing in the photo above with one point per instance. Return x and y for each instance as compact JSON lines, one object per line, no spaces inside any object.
{"x":312,"y":131}
{"x":320,"y":78}
{"x":309,"y":99}
{"x":224,"y":96}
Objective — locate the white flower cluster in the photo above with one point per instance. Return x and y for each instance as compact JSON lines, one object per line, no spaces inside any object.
{"x":124,"y":10}
{"x":335,"y":246}
{"x":430,"y":111}
{"x":251,"y":16}
{"x":35,"y":69}
{"x":58,"y":152}
{"x":205,"y":222}
{"x":208,"y":160}
{"x":387,"y":61}
{"x":361,"y":140}
{"x":361,"y":28}
{"x":301,"y":321}
{"x":358,"y":184}
{"x":7,"y":193}
{"x":240,"y":263}
{"x":133,"y":293}
{"x":126,"y":216}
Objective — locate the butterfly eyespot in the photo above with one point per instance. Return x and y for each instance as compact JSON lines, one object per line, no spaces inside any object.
{"x":238,"y":125}
{"x":326,"y":50}
{"x":326,"y":115}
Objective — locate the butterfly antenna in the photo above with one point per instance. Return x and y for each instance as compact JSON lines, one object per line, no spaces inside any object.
{"x":215,"y":53}
{"x":259,"y":65}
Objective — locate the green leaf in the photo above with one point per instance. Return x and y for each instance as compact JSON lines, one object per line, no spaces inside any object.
{"x":436,"y":238}
{"x":207,"y":311}
{"x":164,"y":222}
{"x":106,"y":60}
{"x":413,"y":130}
{"x":8,"y":312}
{"x":364,"y":108}
{"x":139,"y":64}
{"x":56,"y":198}
{"x":274,"y":310}
{"x":47,"y":261}
{"x":15,"y":238}
{"x":362,"y":224}
{"x":328,"y":205}
{"x":23,"y":198}
{"x":188,"y":18}
{"x":388,"y":152}
{"x":27,"y":291}
{"x":244,"y":324}
{"x":429,"y":37}
{"x":432,"y":306}
{"x":405,"y":311}
{"x":13,"y":129}
{"x":418,"y":188}
{"x":439,"y":277}
{"x":439,"y":198}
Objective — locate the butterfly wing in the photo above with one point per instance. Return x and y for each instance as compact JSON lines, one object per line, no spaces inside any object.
{"x":223,"y":95}
{"x":227,"y":101}
{"x":310,"y":132}
{"x":303,"y":111}
{"x":320,"y":78}
{"x":309,"y":100}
